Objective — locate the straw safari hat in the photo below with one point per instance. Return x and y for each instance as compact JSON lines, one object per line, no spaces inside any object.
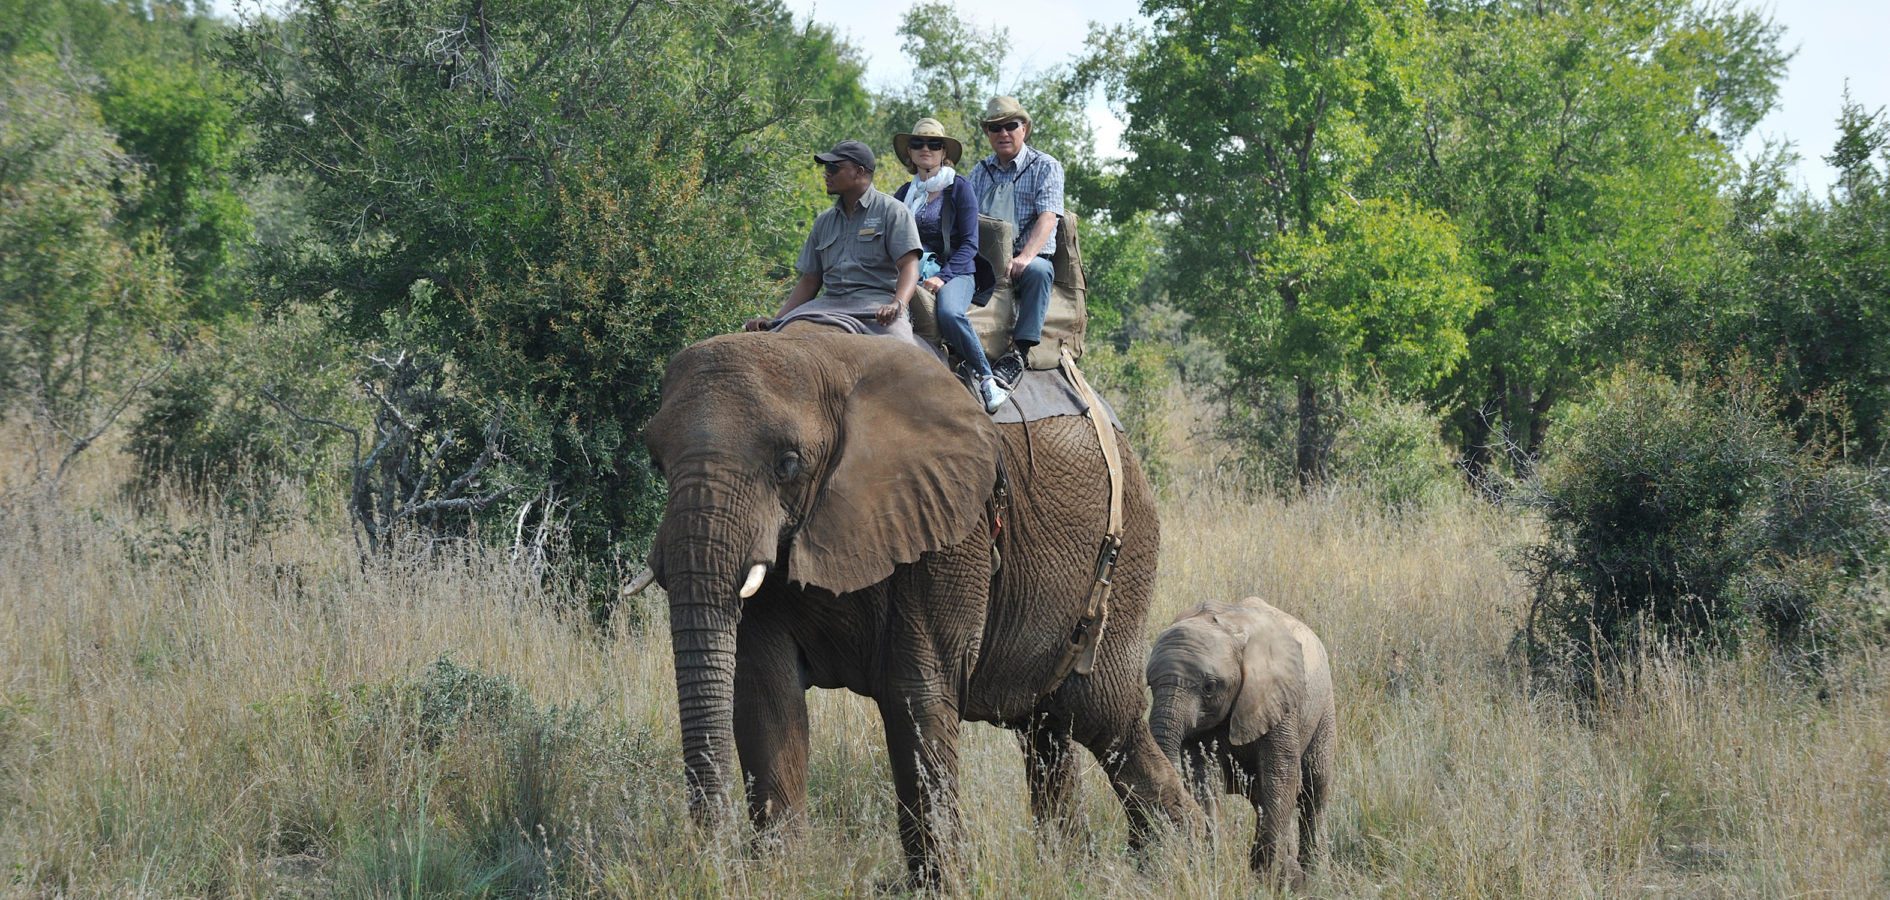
{"x":927,"y":127}
{"x":1003,"y":109}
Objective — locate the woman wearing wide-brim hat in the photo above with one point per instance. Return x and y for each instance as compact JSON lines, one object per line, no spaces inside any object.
{"x":947,"y":214}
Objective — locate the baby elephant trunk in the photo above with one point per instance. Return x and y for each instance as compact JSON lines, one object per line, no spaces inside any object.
{"x":1172,"y":720}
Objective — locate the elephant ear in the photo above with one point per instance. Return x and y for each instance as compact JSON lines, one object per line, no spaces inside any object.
{"x":1273,"y":680}
{"x":914,"y":462}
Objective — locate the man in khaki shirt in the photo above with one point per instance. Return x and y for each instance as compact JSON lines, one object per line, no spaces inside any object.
{"x":861,"y":256}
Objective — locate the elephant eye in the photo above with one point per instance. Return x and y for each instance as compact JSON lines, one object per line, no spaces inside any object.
{"x":1211,"y":685}
{"x":787,"y":466}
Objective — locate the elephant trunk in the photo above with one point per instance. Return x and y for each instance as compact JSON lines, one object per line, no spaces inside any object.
{"x":702,"y":631}
{"x":708,"y":546}
{"x":1171,"y":722}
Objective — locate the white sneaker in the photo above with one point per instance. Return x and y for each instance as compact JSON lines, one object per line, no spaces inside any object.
{"x":993,"y":393}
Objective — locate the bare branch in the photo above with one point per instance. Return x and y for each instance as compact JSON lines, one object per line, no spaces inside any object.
{"x":77,"y":444}
{"x":356,"y":495}
{"x":426,"y":471}
{"x":462,"y":503}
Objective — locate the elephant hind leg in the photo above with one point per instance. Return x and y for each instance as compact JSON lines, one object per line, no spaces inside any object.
{"x":1050,"y":768}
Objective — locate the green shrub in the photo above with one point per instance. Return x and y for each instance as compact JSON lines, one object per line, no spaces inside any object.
{"x":1134,"y":382}
{"x":494,"y":780}
{"x":1682,"y":512}
{"x":210,"y":418}
{"x":1390,"y":451}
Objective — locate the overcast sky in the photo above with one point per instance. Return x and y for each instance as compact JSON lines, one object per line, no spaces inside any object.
{"x":1835,"y":39}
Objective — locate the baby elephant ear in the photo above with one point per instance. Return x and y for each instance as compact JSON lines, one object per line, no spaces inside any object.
{"x":916,"y":461}
{"x":1273,"y":682}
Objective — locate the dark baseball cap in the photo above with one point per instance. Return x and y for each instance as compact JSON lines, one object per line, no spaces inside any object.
{"x":848,"y":151}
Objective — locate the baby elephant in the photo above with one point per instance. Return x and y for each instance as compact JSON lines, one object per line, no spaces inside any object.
{"x":1243,"y":704}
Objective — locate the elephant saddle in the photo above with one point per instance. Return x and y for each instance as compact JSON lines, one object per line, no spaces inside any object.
{"x":1064,"y":323}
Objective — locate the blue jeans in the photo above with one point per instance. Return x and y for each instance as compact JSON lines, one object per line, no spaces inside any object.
{"x":1031,"y":291}
{"x":954,"y":300}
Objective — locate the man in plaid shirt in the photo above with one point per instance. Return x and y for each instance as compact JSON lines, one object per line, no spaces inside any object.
{"x":1023,"y":186}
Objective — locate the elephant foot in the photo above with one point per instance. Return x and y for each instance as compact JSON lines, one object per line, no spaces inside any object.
{"x":1285,"y":873}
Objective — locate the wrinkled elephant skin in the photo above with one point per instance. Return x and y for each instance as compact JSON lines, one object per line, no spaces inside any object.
{"x":1243,"y":704}
{"x":856,"y":470}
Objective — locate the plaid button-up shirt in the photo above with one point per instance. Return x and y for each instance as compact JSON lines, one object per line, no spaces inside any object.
{"x":1039,"y":189}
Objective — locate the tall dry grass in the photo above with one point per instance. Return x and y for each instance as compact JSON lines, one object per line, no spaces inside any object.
{"x":205,"y":700}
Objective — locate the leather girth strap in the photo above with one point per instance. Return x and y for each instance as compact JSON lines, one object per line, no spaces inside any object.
{"x":1079,"y":654}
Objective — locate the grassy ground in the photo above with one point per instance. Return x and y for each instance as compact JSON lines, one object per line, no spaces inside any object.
{"x":201,"y":701}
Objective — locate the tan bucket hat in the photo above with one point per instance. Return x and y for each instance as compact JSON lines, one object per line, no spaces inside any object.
{"x":1004,"y":109}
{"x":927,"y":127}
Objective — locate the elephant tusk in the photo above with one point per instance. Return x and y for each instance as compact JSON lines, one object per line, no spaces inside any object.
{"x":638,"y":583}
{"x":753,"y":583}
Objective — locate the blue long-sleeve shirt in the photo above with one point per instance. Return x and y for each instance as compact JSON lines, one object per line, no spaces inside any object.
{"x":962,"y":205}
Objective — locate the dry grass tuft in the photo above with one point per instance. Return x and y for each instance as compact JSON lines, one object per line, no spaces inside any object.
{"x":198,"y":701}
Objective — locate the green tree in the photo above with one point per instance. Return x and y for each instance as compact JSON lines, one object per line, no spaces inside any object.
{"x":1581,"y":148}
{"x":150,"y":68}
{"x":956,"y":67}
{"x":100,"y":34}
{"x":83,"y":302}
{"x":1818,"y":294}
{"x":1379,"y":293}
{"x":590,"y":186}
{"x":836,"y":107}
{"x":180,"y":122}
{"x":1251,"y":124}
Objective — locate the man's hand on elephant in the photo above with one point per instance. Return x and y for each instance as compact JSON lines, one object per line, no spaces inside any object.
{"x":933,"y":284}
{"x":889,"y":313}
{"x":757,"y":324}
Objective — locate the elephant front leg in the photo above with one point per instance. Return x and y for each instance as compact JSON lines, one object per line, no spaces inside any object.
{"x":771,"y":729}
{"x":1050,"y":768}
{"x":922,"y":743}
{"x":1203,"y":773}
{"x":1274,"y":793}
{"x":1146,"y":782}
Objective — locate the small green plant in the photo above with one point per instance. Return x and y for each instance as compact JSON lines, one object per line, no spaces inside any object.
{"x":491,"y":782}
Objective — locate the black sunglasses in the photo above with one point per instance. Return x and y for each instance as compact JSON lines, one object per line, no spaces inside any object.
{"x":926,"y":143}
{"x":834,"y":168}
{"x":1003,"y":126}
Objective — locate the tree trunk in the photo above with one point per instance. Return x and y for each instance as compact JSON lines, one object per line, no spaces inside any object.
{"x":1307,"y":458}
{"x":1474,"y":422}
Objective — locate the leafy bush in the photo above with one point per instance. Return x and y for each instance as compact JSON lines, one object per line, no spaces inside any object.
{"x":81,"y":298}
{"x":1682,"y":512}
{"x":1134,"y":382}
{"x":1390,"y":451}
{"x":210,"y":419}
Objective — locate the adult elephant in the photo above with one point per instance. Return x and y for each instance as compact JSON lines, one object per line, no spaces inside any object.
{"x":828,"y":525}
